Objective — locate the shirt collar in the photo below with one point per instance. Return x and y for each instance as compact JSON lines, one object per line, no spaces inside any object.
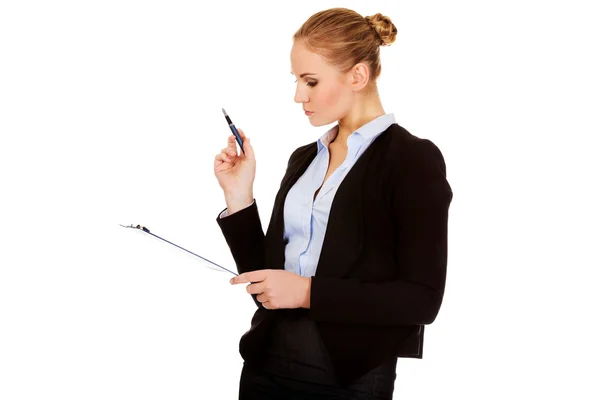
{"x":367,"y":131}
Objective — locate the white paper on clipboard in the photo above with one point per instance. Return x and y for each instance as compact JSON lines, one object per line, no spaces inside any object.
{"x":216,"y":266}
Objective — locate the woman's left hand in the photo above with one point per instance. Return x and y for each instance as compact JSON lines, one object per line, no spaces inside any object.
{"x":277,"y":288}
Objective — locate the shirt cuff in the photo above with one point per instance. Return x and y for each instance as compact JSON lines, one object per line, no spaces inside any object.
{"x":224,"y":213}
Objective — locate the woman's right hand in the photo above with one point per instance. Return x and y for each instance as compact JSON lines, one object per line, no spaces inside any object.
{"x":235,"y":172}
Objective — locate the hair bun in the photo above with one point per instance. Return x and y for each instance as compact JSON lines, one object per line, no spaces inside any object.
{"x":384,"y":27}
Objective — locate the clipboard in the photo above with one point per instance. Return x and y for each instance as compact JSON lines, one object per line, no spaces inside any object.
{"x":143,"y":228}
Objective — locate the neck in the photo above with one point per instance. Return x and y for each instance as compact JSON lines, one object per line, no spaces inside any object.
{"x":362,"y":112}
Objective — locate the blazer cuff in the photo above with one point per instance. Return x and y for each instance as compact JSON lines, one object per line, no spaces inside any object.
{"x":245,"y":237}
{"x":225,"y":212}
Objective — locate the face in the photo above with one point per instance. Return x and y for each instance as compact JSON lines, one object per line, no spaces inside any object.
{"x":320,"y":87}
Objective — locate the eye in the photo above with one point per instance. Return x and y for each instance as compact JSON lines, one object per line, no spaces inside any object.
{"x":311,"y":84}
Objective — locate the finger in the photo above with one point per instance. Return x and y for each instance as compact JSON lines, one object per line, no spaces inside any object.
{"x":256,"y":288}
{"x":230,"y":152}
{"x":262,"y":298}
{"x":248,"y":150}
{"x":231,"y":143}
{"x":252,"y":276}
{"x":219,"y":158}
{"x":240,"y":279}
{"x":243,"y":137}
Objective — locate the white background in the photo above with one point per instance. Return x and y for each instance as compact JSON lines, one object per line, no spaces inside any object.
{"x":110,"y":113}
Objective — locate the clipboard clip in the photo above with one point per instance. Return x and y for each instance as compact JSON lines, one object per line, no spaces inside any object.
{"x":136,"y":227}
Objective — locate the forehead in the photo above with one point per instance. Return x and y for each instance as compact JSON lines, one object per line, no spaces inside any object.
{"x":304,"y":60}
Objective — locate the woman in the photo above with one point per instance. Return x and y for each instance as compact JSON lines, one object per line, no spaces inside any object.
{"x":353,"y":263}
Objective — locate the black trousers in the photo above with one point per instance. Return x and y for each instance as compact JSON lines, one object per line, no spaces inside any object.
{"x":296,"y":365}
{"x":257,"y":383}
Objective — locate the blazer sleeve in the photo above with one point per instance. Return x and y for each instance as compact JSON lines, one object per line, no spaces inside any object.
{"x":421,"y":198}
{"x":245,"y":237}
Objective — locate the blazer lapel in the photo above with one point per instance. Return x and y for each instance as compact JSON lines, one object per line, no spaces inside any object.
{"x":275,"y":246}
{"x":343,"y":240}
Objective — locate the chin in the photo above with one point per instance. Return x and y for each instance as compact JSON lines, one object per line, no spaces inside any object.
{"x":316,"y":123}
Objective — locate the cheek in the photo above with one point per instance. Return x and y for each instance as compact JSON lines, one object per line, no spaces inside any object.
{"x":330,"y":97}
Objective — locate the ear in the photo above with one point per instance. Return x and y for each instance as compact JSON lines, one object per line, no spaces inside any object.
{"x":360,"y":76}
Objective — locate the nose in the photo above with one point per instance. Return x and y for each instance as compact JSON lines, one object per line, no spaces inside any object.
{"x":300,"y":96}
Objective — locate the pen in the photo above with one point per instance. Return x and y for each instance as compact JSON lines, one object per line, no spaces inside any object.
{"x":234,"y":130}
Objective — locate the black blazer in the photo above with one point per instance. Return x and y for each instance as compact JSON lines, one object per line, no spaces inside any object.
{"x":382,"y":268}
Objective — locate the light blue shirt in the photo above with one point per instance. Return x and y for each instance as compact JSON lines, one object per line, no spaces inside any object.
{"x":305,"y":220}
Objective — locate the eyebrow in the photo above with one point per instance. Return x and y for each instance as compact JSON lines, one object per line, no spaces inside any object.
{"x":304,"y":74}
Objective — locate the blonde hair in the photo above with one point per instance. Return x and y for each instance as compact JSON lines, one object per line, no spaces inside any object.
{"x":344,"y":38}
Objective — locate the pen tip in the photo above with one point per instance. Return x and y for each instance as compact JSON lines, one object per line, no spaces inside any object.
{"x":223,"y":111}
